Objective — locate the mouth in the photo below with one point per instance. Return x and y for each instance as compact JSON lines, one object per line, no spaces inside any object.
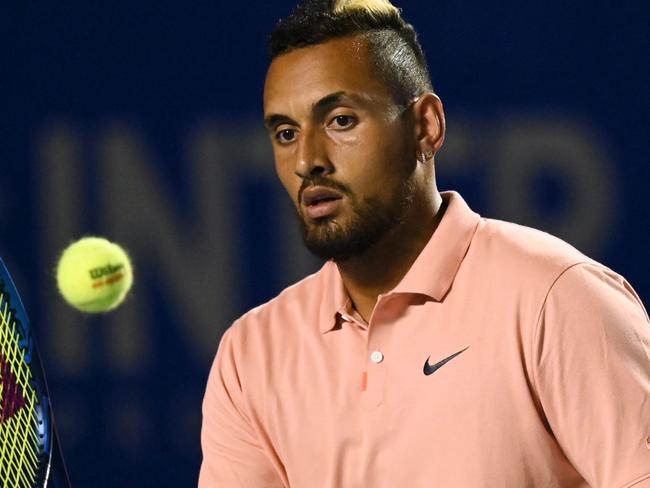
{"x":320,"y":202}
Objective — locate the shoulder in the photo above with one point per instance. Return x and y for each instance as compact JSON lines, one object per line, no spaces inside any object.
{"x":595,"y":294}
{"x":518,"y":252}
{"x":286,"y":311}
{"x":561,"y":279}
{"x":516,"y":266}
{"x":252,"y":349}
{"x":566,"y":271}
{"x":533,"y":245}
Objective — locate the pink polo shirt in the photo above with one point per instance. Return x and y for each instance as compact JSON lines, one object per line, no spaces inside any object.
{"x":505,"y":358}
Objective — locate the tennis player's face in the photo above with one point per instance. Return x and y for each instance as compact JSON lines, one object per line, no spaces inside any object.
{"x":343,"y":149}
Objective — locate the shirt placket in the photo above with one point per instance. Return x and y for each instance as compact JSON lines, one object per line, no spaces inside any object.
{"x":377,"y":358}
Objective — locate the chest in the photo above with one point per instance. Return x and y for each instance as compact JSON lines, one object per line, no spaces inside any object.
{"x":453,"y":379}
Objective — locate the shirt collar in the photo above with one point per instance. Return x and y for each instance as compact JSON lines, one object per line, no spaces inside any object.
{"x":435,"y":268}
{"x":334,"y":298}
{"x":431,"y":274}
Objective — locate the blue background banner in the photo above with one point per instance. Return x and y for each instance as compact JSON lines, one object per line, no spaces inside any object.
{"x":142,"y":121}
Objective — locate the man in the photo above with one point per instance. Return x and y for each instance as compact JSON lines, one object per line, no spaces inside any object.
{"x":434,"y":347}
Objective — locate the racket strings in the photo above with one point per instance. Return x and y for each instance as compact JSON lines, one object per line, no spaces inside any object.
{"x":20,"y":444}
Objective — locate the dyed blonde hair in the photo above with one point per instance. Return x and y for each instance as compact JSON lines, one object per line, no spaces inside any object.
{"x":374,"y":8}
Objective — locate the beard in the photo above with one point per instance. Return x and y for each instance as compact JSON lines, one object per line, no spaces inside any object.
{"x":371,"y":220}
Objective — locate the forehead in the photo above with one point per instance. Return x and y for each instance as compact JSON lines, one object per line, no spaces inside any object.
{"x":301,"y":77}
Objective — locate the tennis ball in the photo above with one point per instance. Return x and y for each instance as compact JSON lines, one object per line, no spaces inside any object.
{"x":94,"y":274}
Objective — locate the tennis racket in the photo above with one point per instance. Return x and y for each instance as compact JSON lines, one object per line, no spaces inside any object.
{"x":30,"y":455}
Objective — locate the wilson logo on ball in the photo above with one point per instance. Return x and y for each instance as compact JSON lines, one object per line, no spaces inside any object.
{"x":111,"y":272}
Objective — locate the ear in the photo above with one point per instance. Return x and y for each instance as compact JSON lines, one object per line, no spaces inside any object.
{"x":429,"y":125}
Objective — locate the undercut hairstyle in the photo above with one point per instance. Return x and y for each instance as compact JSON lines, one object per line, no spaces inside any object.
{"x":393,"y":43}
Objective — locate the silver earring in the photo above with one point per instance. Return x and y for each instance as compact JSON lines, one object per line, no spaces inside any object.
{"x":426,"y":155}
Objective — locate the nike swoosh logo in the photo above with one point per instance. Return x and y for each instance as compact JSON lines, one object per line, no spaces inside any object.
{"x":430,"y":369}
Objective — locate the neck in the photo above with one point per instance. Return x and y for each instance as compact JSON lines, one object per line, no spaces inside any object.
{"x":383,"y":266}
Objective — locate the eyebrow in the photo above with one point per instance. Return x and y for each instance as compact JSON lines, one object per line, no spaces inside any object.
{"x":322,"y":105}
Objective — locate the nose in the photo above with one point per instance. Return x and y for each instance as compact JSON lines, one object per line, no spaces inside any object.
{"x":311,"y":157}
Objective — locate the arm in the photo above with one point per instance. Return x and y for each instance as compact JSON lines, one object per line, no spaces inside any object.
{"x":233,"y":457}
{"x":592,"y":372}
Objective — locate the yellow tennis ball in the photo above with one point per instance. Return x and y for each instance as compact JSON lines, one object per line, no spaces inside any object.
{"x":94,"y":274}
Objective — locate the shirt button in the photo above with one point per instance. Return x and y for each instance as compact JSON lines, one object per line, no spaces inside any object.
{"x":377,"y":357}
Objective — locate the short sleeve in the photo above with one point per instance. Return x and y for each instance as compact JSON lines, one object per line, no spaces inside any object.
{"x":592,"y":373}
{"x":232,"y":454}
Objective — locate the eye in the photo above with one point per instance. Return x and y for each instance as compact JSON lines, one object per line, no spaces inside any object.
{"x":285,"y":136}
{"x":343,"y":121}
